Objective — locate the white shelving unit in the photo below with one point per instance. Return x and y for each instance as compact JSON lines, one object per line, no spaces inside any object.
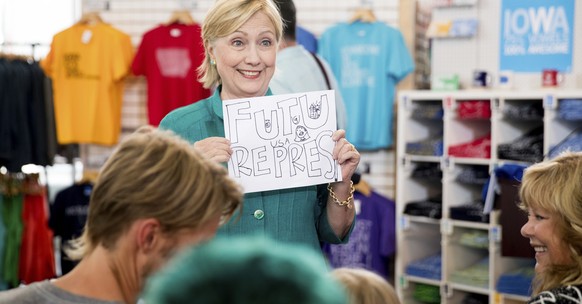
{"x":421,"y":237}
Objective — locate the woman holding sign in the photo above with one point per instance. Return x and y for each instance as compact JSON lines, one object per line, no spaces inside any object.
{"x":240,"y":40}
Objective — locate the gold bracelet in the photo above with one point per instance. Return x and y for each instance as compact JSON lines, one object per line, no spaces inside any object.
{"x":348,"y":202}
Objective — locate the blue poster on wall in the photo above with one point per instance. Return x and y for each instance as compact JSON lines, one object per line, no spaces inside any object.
{"x":536,"y":35}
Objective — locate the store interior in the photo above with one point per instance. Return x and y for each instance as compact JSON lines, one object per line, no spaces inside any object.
{"x":472,"y":93}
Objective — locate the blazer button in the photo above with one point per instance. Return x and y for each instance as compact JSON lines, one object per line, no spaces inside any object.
{"x":259,"y":214}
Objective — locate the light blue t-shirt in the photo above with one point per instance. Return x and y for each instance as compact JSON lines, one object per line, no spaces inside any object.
{"x":368,"y":60}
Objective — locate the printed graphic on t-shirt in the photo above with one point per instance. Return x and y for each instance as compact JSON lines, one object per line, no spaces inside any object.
{"x":173,"y":61}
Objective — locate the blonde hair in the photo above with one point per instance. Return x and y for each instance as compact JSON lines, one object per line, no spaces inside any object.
{"x":555,"y":186}
{"x":155,"y":174}
{"x":225,"y":18}
{"x":365,"y":287}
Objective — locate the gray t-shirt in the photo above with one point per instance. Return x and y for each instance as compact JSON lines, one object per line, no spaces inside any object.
{"x":45,"y":293}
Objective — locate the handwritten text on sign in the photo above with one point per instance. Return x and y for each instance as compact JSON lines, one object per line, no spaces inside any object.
{"x":282,"y":141}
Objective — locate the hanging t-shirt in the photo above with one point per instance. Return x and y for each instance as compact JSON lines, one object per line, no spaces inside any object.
{"x":168,"y":56}
{"x":368,"y":59}
{"x":373,"y":239}
{"x":36,"y":261}
{"x":68,"y":217}
{"x":306,"y":39}
{"x":87,"y":64}
{"x":3,"y":285}
{"x":12,"y":216}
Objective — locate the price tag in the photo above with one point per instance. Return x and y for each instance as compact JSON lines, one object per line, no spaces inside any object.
{"x":86,"y":36}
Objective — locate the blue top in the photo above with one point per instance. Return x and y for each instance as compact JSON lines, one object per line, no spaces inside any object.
{"x":306,"y":39}
{"x":368,"y":59}
{"x":296,"y":215}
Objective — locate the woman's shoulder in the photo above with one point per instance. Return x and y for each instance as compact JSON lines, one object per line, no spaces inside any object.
{"x":563,"y":294}
{"x":188,"y":113}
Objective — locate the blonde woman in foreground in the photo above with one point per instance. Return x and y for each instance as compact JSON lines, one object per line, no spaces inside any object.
{"x":365,"y":287}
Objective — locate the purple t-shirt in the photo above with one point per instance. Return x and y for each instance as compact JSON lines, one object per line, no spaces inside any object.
{"x":373,"y":239}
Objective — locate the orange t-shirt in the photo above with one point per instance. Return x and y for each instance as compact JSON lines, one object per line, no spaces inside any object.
{"x":87,"y":64}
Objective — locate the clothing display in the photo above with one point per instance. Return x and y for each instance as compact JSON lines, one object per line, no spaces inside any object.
{"x":573,"y":142}
{"x":369,"y":59}
{"x":432,"y":146}
{"x":474,"y":109}
{"x":475,"y":239}
{"x":475,"y":175}
{"x":306,"y":39}
{"x":373,"y":239}
{"x":570,"y":109}
{"x":27,"y":131}
{"x":37,"y":260}
{"x":428,"y":171}
{"x":429,"y":294}
{"x":46,"y":293}
{"x":528,"y":147}
{"x":12,"y":216}
{"x":478,"y":148}
{"x":474,"y":298}
{"x":470,"y":211}
{"x":476,"y":275}
{"x":431,"y":208}
{"x":428,"y":268}
{"x":516,"y":282}
{"x":168,"y":56}
{"x":68,"y":215}
{"x":297,"y":71}
{"x":524,"y":110}
{"x":3,"y":284}
{"x":428,"y":111}
{"x":296,"y":215}
{"x":87,"y":64}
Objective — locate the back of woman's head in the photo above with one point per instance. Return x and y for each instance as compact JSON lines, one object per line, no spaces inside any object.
{"x":365,"y":287}
{"x":155,"y":174}
{"x":245,"y":270}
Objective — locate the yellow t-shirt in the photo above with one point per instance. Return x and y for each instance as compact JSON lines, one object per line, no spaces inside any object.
{"x":87,"y":64}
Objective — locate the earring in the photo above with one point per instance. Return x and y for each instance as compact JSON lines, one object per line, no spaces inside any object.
{"x":212,"y":62}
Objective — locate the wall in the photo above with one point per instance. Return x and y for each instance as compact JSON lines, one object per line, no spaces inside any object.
{"x":135,"y":17}
{"x":462,"y":56}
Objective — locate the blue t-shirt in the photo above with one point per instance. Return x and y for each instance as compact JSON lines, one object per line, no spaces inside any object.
{"x":373,"y":239}
{"x":368,"y":59}
{"x":306,"y":39}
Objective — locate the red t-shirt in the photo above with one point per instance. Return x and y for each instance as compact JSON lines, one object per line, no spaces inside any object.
{"x":168,"y":56}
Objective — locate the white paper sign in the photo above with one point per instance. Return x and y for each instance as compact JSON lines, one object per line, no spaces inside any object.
{"x":282,"y":141}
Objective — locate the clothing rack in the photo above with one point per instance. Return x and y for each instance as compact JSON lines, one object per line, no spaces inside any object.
{"x":33,"y":47}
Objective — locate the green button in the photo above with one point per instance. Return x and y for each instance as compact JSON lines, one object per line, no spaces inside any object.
{"x":259,"y":214}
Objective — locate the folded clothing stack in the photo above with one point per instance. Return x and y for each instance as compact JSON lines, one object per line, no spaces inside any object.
{"x":524,"y":111}
{"x":425,"y":293}
{"x":472,"y":212}
{"x":429,"y":147}
{"x":428,"y":111}
{"x":474,"y":175}
{"x":432,"y":208}
{"x":476,"y":275}
{"x":474,"y":109}
{"x":528,"y":148}
{"x":572,"y":143}
{"x":516,"y":282}
{"x":478,"y":148}
{"x":570,"y":109}
{"x":428,"y":171}
{"x":428,"y":268}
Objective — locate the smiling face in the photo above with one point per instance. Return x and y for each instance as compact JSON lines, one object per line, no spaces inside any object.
{"x":544,"y":236}
{"x":245,"y":59}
